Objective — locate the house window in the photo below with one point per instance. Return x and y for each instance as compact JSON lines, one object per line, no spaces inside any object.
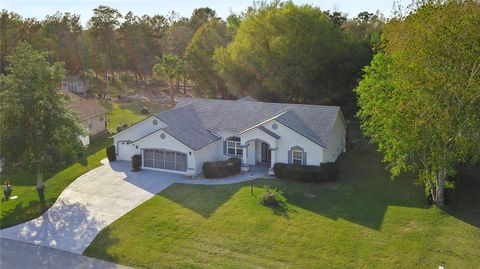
{"x":233,"y":146}
{"x":297,"y":156}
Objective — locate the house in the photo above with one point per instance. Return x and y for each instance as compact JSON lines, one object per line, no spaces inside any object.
{"x":92,"y":115}
{"x":75,"y":84}
{"x":200,"y":130}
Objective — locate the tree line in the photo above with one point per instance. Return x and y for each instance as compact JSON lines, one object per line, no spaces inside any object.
{"x":275,"y":51}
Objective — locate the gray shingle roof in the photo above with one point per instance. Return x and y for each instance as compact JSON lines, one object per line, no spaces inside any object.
{"x":314,"y":122}
{"x":185,"y":125}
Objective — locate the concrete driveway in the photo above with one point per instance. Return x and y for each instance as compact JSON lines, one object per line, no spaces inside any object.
{"x":95,"y":200}
{"x":89,"y":204}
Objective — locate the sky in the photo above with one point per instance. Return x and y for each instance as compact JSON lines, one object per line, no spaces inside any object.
{"x":40,"y":8}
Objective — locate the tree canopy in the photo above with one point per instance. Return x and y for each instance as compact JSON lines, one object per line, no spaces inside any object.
{"x":420,"y":97}
{"x":35,"y":112}
{"x":285,"y":52}
{"x":200,"y":63}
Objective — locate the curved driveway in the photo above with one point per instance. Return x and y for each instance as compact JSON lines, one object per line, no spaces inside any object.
{"x":95,"y":200}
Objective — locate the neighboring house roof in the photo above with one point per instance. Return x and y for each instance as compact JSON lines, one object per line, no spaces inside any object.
{"x":248,"y":98}
{"x":86,"y":108}
{"x":193,"y":118}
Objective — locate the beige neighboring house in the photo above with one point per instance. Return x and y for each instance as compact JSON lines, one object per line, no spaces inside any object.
{"x":92,"y":114}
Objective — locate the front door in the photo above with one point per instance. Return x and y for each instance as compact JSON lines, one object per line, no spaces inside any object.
{"x":266,"y":153}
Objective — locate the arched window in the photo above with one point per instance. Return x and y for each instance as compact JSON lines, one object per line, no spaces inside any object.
{"x":233,"y":146}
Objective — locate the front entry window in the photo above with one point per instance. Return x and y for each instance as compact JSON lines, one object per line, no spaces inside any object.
{"x":297,"y":156}
{"x":233,"y":146}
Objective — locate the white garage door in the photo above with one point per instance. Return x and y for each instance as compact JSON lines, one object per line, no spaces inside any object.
{"x":165,"y":159}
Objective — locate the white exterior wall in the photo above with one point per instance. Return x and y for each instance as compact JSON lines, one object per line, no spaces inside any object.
{"x":206,"y":154}
{"x":251,"y":137}
{"x":154,"y":141}
{"x":288,"y":139}
{"x":125,"y":150}
{"x":96,"y":124}
{"x":337,"y":141}
{"x":140,"y":129}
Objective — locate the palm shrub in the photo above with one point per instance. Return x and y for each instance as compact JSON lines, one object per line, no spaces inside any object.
{"x":270,"y":196}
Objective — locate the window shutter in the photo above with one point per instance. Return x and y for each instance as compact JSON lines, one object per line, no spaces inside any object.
{"x":289,"y":156}
{"x":304,"y":158}
{"x":224,"y":147}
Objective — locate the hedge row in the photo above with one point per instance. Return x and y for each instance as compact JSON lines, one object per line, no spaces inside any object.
{"x":307,"y":173}
{"x":221,"y":168}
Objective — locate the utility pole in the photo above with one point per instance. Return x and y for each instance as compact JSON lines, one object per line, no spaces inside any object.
{"x":107,"y":86}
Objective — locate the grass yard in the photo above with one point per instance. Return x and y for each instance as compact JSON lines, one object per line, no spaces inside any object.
{"x":129,"y":113}
{"x":365,"y":220}
{"x":27,"y":205}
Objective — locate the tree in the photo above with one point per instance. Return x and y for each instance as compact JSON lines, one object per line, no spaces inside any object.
{"x":103,"y":26}
{"x":10,"y":25}
{"x":170,"y":67}
{"x":199,"y":57}
{"x":284,"y":52}
{"x":420,"y":97}
{"x":36,"y":113}
{"x":200,"y":16}
{"x":61,"y":37}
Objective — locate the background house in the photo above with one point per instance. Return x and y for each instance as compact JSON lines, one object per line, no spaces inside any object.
{"x":75,"y":84}
{"x":92,"y":114}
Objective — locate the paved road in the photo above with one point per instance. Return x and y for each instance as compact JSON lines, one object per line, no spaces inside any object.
{"x":21,"y":255}
{"x":95,"y":200}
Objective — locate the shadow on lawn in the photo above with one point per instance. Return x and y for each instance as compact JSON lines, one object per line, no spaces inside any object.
{"x":467,"y":201}
{"x":202,"y":199}
{"x":21,"y":213}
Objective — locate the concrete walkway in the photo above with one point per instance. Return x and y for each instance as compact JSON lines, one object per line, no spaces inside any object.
{"x":20,"y":255}
{"x":95,"y":200}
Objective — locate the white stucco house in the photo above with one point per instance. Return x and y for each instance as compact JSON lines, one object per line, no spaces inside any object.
{"x":200,"y":130}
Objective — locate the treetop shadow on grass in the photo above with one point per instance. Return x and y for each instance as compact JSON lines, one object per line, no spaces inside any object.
{"x":211,"y":196}
{"x":467,"y":199}
{"x":99,"y":248}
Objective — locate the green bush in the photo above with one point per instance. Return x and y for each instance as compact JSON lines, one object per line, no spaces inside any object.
{"x":111,"y":155}
{"x":136,"y":162}
{"x":221,"y":169}
{"x":307,"y":173}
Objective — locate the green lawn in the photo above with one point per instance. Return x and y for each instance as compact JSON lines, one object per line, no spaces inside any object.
{"x":27,"y":205}
{"x":365,"y":220}
{"x":129,"y":113}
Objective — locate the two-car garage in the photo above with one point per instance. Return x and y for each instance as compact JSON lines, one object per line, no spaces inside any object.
{"x":165,"y":159}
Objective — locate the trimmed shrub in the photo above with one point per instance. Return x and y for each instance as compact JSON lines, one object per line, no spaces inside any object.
{"x":136,"y":162}
{"x":307,"y":173}
{"x":111,"y":155}
{"x":221,"y":168}
{"x":332,"y":170}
